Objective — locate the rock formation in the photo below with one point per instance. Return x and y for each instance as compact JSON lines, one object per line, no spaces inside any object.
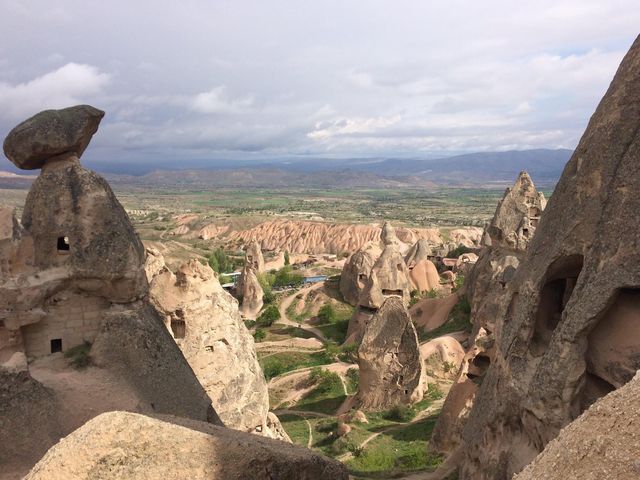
{"x":317,"y":237}
{"x":601,"y":443}
{"x":424,"y":276}
{"x":485,"y":287}
{"x":250,"y":292}
{"x":254,"y":258}
{"x":517,"y":215}
{"x":389,"y":277}
{"x":569,"y":323}
{"x":421,"y":250}
{"x":73,"y":273}
{"x":205,"y":322}
{"x":356,"y":271}
{"x":128,"y":445}
{"x":248,"y":288}
{"x":389,"y":359}
{"x":442,"y":357}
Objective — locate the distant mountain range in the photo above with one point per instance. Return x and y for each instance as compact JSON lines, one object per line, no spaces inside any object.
{"x":473,"y":170}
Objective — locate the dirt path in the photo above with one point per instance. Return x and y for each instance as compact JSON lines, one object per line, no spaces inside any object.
{"x":290,"y":379}
{"x":286,"y":303}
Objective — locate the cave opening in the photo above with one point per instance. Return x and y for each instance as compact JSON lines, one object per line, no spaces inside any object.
{"x":612,"y":357}
{"x":560,"y":280}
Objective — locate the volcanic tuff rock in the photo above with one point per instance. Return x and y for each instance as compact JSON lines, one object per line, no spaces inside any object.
{"x":486,"y":291}
{"x":250,"y":292}
{"x":570,"y":319}
{"x":356,"y":271}
{"x":389,"y":276}
{"x":51,"y":133}
{"x":127,"y":445}
{"x":601,"y":443}
{"x":72,"y":274}
{"x":389,"y":359}
{"x":424,"y":276}
{"x":517,"y":215}
{"x":205,"y":322}
{"x":254,"y":258}
{"x":317,"y":237}
{"x":421,"y":250}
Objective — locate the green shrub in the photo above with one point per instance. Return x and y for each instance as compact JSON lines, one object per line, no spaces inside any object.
{"x":79,"y":355}
{"x":400,"y":413}
{"x":325,"y":380}
{"x":285,"y":277}
{"x":259,"y":335}
{"x":273,"y":368}
{"x":287,"y":260}
{"x":220,"y":262}
{"x":327,"y":313}
{"x":249,"y":324}
{"x":268,"y":316}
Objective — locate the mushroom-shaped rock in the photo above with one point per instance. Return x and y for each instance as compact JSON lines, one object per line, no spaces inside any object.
{"x":78,"y":226}
{"x":356,"y":271}
{"x":128,"y":445}
{"x":51,"y":133}
{"x":389,"y":359}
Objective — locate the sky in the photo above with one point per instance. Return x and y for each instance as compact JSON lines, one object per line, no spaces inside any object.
{"x":203,"y":80}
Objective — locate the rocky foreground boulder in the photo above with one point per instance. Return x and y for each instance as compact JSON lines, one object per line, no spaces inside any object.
{"x":389,"y":359}
{"x":205,"y":322}
{"x":570,"y":330}
{"x":127,"y":445}
{"x":601,"y":443}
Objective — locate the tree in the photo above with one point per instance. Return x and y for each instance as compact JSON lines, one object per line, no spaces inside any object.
{"x":286,"y":258}
{"x":268,"y":316}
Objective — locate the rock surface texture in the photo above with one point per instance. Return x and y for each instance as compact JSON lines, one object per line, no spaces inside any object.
{"x":356,"y":271}
{"x":52,"y":133}
{"x":389,"y":360}
{"x":127,"y":445}
{"x":486,"y":290}
{"x":570,"y":323}
{"x":601,"y":443}
{"x":250,"y":292}
{"x":205,"y":323}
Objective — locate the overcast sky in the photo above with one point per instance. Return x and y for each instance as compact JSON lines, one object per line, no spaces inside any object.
{"x":266,"y":79}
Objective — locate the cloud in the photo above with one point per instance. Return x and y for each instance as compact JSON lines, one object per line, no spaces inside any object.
{"x":334,"y":78}
{"x":70,"y":84}
{"x":217,"y":100}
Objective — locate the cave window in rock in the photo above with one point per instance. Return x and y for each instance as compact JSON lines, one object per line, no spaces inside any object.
{"x":387,"y":293}
{"x":178,"y":328}
{"x":63,"y":245}
{"x":611,"y":357}
{"x":56,"y":345}
{"x":560,"y":279}
{"x":399,"y":267}
{"x":362,"y":277}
